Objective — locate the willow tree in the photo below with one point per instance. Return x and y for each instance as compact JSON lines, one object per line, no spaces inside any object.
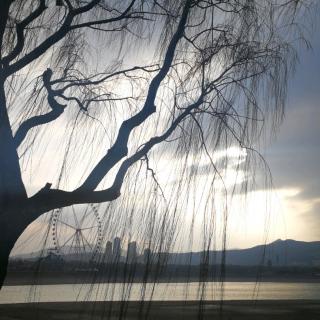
{"x":100,"y":84}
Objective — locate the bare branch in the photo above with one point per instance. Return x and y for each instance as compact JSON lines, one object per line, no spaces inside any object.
{"x":4,"y":15}
{"x":56,"y":110}
{"x":51,"y":40}
{"x":48,"y":199}
{"x":123,"y":15}
{"x":20,"y":27}
{"x":143,"y":151}
{"x":41,"y":48}
{"x":91,"y":81}
{"x":119,"y":148}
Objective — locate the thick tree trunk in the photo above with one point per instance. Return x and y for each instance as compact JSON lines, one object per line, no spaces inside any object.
{"x":4,"y":260}
{"x":8,"y":237}
{"x":13,"y":195}
{"x":11,"y":186}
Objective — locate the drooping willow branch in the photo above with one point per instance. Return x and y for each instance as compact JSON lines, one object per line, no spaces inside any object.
{"x":54,"y":93}
{"x":58,"y":35}
{"x":56,"y":110}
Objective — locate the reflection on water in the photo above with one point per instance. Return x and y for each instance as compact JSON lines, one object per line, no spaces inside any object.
{"x":160,"y":291}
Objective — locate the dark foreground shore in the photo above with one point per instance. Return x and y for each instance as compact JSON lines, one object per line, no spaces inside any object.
{"x":156,"y":310}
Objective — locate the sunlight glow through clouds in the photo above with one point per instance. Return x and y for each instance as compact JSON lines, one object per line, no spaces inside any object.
{"x":269,"y":215}
{"x":255,"y":218}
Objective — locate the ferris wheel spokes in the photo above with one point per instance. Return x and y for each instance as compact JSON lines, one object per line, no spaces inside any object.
{"x":82,"y":233}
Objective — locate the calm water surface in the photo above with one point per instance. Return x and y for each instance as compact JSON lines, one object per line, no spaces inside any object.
{"x":161,"y":291}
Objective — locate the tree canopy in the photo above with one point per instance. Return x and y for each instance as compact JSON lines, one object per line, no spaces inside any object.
{"x":97,"y":98}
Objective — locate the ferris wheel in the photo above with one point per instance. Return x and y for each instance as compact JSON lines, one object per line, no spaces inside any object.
{"x":77,"y":231}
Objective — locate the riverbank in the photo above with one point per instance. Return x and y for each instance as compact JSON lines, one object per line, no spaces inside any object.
{"x":173,"y":310}
{"x":48,"y":278}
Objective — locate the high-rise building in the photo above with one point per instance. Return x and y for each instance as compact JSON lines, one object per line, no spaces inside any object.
{"x":108,"y":252}
{"x":147,"y":256}
{"x":132,"y":252}
{"x":116,"y":252}
{"x":163,"y":258}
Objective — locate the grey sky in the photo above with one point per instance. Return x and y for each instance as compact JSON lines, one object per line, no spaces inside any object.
{"x":295,"y":155}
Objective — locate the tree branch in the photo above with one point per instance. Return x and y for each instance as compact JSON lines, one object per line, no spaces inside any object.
{"x":41,"y":48}
{"x":50,"y":41}
{"x":104,"y":21}
{"x":91,"y":81}
{"x":120,"y":148}
{"x":56,"y":110}
{"x":151,"y":143}
{"x":48,"y":199}
{"x":20,"y":27}
{"x":60,"y":34}
{"x":4,"y":15}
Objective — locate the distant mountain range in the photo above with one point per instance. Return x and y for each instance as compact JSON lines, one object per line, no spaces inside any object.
{"x":278,"y":253}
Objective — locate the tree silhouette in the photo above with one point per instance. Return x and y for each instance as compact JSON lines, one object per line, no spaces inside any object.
{"x":217,"y":70}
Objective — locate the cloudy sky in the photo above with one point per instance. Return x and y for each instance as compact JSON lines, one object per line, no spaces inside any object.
{"x":295,"y":154}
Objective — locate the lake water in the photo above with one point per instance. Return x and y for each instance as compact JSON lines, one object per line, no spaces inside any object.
{"x":161,"y":291}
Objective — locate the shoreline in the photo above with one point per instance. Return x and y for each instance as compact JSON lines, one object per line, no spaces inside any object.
{"x":53,"y":278}
{"x":158,"y":310}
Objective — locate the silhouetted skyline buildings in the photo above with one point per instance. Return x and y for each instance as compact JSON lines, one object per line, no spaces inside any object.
{"x":114,"y":251}
{"x":117,"y":251}
{"x":116,"y":248}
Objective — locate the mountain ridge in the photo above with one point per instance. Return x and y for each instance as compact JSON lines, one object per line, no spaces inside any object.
{"x":280,"y":252}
